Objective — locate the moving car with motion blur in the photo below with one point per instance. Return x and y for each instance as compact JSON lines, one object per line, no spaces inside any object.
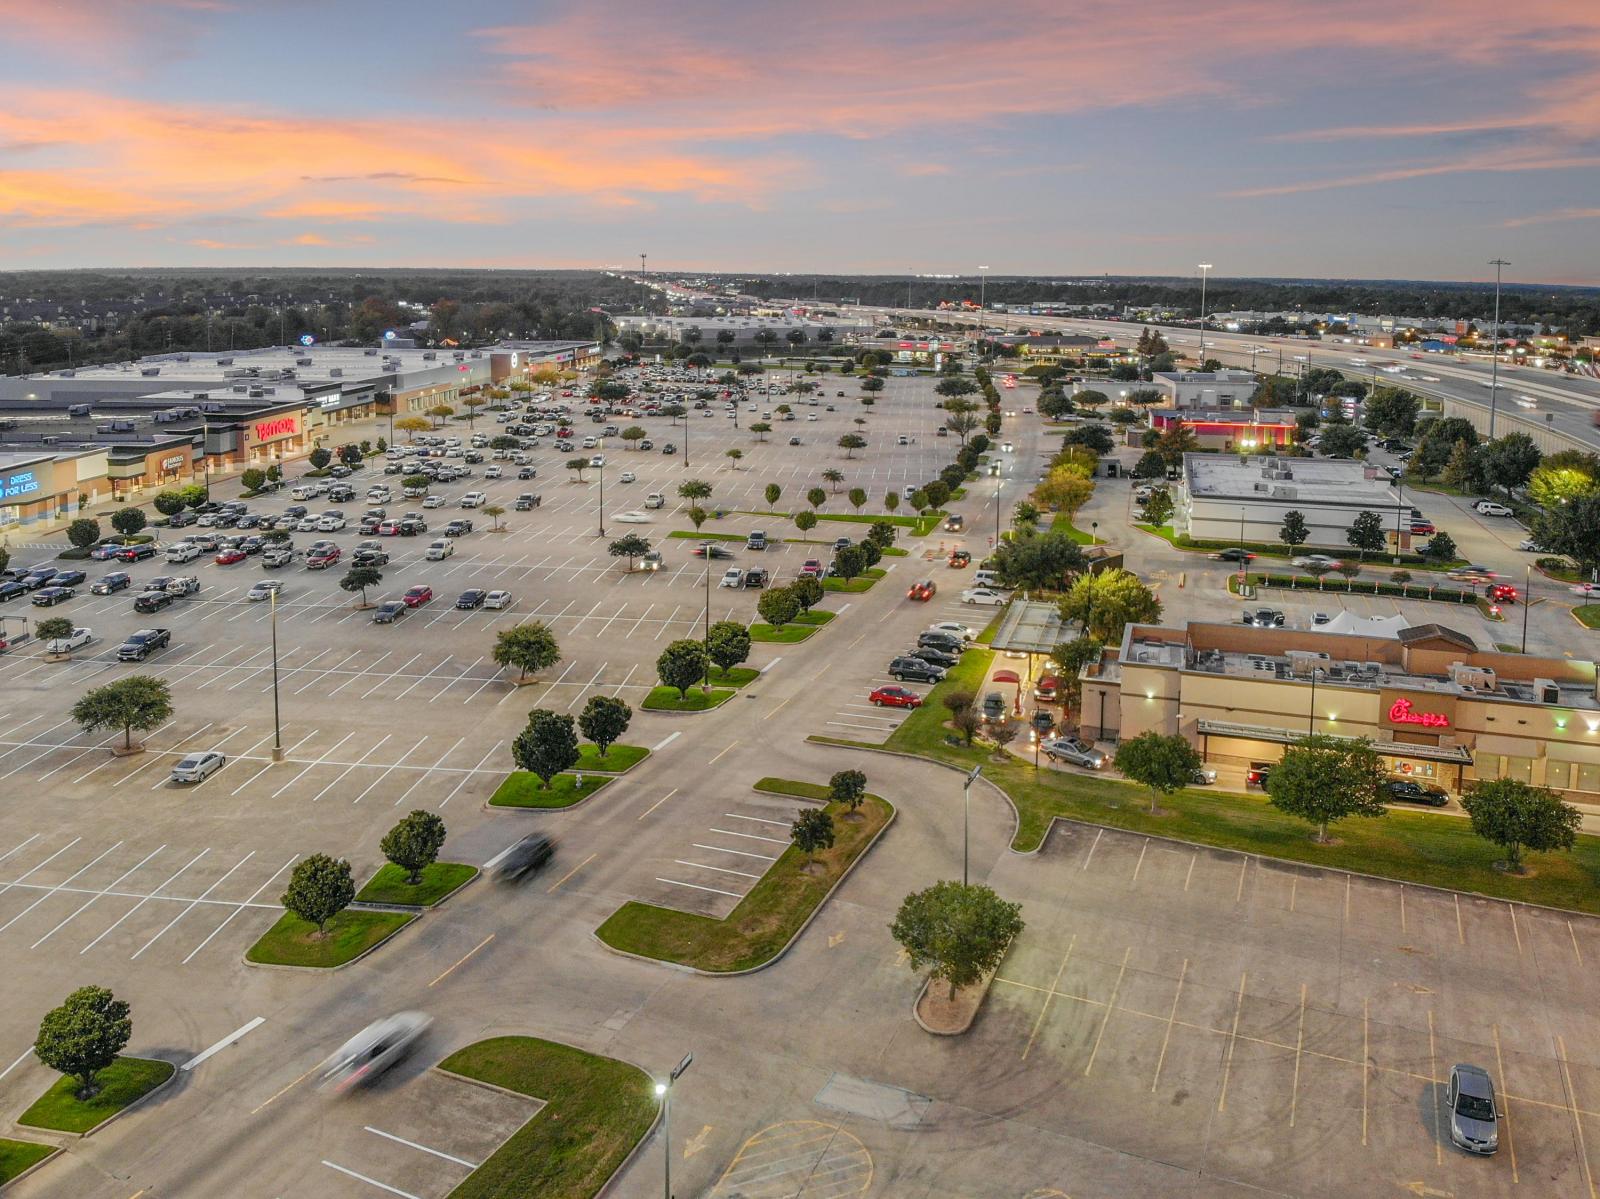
{"x":376,"y":1048}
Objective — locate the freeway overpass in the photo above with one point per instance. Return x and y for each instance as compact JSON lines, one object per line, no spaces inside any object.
{"x":1556,"y":410}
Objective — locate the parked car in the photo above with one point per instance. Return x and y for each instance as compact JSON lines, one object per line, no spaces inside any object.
{"x":439,"y":550}
{"x":49,"y":597}
{"x":77,"y":639}
{"x":264,"y":590}
{"x":415,"y":597}
{"x":322,"y":557}
{"x":1411,"y":791}
{"x":1264,"y":618}
{"x":386,"y":612}
{"x":895,"y":697}
{"x":954,"y":628}
{"x":142,"y":644}
{"x":230,"y":555}
{"x":934,"y":657}
{"x":472,"y":598}
{"x":497,"y":599}
{"x":755,"y":577}
{"x":152,"y":601}
{"x":1491,"y":508}
{"x":136,"y":553}
{"x":732,"y":577}
{"x":1473,"y":1115}
{"x":756,"y":540}
{"x":197,"y":767}
{"x":107,"y":584}
{"x":1258,"y":774}
{"x":922,"y":591}
{"x":983,"y":595}
{"x":632,"y":517}
{"x":1074,"y":752}
{"x":811,"y":568}
{"x":655,"y":500}
{"x":906,"y":669}
{"x":278,"y":555}
{"x":945,"y":641}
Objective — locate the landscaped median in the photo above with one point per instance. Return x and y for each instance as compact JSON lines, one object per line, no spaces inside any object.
{"x":797,"y":630}
{"x":438,"y":882}
{"x":724,"y":683}
{"x":120,"y":1085}
{"x":1417,"y":847}
{"x":18,"y":1157}
{"x":521,"y":789}
{"x":618,"y":759}
{"x":771,"y":914}
{"x":353,"y":932}
{"x":862,"y":582}
{"x":596,"y":1110}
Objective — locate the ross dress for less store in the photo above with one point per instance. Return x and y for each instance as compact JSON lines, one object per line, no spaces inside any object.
{"x":1435,"y":706}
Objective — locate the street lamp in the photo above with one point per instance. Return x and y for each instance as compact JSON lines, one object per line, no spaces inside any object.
{"x":1494,"y":348}
{"x":277,"y":726}
{"x":1527,"y":598}
{"x":664,"y":1093}
{"x":966,"y":822}
{"x":601,"y":446}
{"x":1204,"y":267}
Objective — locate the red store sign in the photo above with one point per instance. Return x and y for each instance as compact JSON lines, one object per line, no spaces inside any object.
{"x":266,"y":430}
{"x":1402,"y":712}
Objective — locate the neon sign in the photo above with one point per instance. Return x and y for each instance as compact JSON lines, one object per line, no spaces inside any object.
{"x":281,"y":427}
{"x":1400,"y":712}
{"x":19,"y":484}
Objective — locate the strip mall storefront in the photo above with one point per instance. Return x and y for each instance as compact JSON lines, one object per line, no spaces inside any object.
{"x":272,"y":439}
{"x":48,"y":487}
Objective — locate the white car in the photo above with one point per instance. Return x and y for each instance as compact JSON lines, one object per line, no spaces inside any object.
{"x":955,"y":628}
{"x":265,"y":589}
{"x":633,"y":517}
{"x":1490,"y":508}
{"x":439,"y":550}
{"x":655,"y":500}
{"x":597,"y":461}
{"x":732,"y":577}
{"x":983,"y":595}
{"x":497,"y":599}
{"x":64,"y":645}
{"x":492,"y":472}
{"x":364,"y":1057}
{"x":629,"y":477}
{"x":309,"y":524}
{"x":1005,"y":447}
{"x":196,"y":768}
{"x":182,"y":552}
{"x":433,"y":501}
{"x":330,"y":522}
{"x":1306,"y":560}
{"x":474,"y":499}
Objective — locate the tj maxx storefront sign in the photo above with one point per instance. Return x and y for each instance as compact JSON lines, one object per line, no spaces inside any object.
{"x":277,"y":428}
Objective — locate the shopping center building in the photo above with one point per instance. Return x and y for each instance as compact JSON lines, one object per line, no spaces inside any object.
{"x":1243,"y":499}
{"x":1435,"y":706}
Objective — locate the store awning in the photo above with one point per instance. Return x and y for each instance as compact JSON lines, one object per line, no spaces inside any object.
{"x":1396,"y":749}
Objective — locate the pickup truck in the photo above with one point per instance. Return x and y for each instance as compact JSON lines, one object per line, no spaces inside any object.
{"x":142,"y":644}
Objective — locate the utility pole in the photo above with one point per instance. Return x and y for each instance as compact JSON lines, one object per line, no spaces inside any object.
{"x":1494,"y":349}
{"x":1204,"y":267}
{"x":983,"y":280}
{"x":644,"y":287}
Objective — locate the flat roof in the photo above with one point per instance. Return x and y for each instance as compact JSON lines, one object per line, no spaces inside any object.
{"x":1030,"y":627}
{"x":1266,"y":478}
{"x":1231,"y":416}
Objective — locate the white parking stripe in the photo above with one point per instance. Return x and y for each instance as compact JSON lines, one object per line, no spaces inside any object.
{"x":118,"y":881}
{"x":16,"y":882}
{"x":460,"y":1161}
{"x":142,"y":902}
{"x":382,"y":1186}
{"x":361,"y":761}
{"x":313,"y":764}
{"x":226,"y":1041}
{"x":419,"y":779}
{"x":751,"y":836}
{"x":737,"y":852}
{"x":467,"y":775}
{"x":93,"y":862}
{"x":248,"y":903}
{"x":204,"y":895}
{"x":718,"y":869}
{"x":696,"y":887}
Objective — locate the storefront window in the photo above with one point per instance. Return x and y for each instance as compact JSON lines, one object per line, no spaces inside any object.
{"x":1503,"y":766}
{"x":1411,"y":768}
{"x":1572,"y":776}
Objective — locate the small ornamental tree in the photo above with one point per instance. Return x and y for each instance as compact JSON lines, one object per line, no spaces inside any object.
{"x":1365,"y":534}
{"x":683,"y":664}
{"x":320,"y":457}
{"x":891,"y":501}
{"x":546,"y":746}
{"x":870,"y":553}
{"x":1517,"y":815}
{"x":83,"y":532}
{"x":631,"y":546}
{"x":253,"y":479}
{"x":414,"y":481}
{"x":578,"y":463}
{"x":1441,"y":548}
{"x":359,"y":578}
{"x":848,"y":788}
{"x":84,"y":1035}
{"x":849,"y":562}
{"x":773,"y":493}
{"x":728,"y":644}
{"x":816,"y":497}
{"x":812,"y":830}
{"x":857,"y":497}
{"x":1163,"y":763}
{"x":881,"y":532}
{"x":529,"y":647}
{"x":805,"y":521}
{"x":1294,"y":531}
{"x":494,"y":512}
{"x":52,"y":628}
{"x":129,"y":521}
{"x":694,"y":490}
{"x":603,"y":719}
{"x":1322,"y":779}
{"x":807,"y":592}
{"x":351,"y":455}
{"x":319,"y":889}
{"x":958,"y":933}
{"x":851,"y":442}
{"x":138,"y":701}
{"x":778,"y":606}
{"x":414,"y":843}
{"x":833,"y":477}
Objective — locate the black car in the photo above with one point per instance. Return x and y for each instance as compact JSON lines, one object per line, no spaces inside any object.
{"x":1265,"y":618}
{"x":49,"y":597}
{"x":388,"y":612}
{"x":935,"y":657}
{"x":1233,"y":555}
{"x":755,"y":577}
{"x":370,"y":558}
{"x":136,"y":553}
{"x":249,"y":520}
{"x":67,"y":578}
{"x":527,"y":856}
{"x":1407,"y":791}
{"x":410,"y":528}
{"x":840,"y":543}
{"x":252,"y":545}
{"x":915,"y":668}
{"x":10,"y":589}
{"x":106,"y":584}
{"x":457,"y":528}
{"x":151,"y":601}
{"x":37,"y":579}
{"x":471,"y":598}
{"x":181,"y":520}
{"x":944,"y":641}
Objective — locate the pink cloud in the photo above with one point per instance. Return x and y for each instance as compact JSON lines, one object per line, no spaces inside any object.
{"x":1560,"y":214}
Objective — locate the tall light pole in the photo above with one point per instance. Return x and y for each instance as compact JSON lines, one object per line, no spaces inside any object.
{"x":983,"y":280}
{"x":1527,"y":598}
{"x":1494,"y":349}
{"x":705,"y":683}
{"x":601,"y":446}
{"x":277,"y":726}
{"x":966,"y":822}
{"x":664,"y":1093}
{"x":1204,"y":267}
{"x":1311,"y":715}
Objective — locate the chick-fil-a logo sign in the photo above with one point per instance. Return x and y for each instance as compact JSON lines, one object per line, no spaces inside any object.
{"x":1401,"y":712}
{"x":268,"y":429}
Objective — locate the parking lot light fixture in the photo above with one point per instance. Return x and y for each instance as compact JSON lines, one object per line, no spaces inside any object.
{"x":664,"y":1093}
{"x":601,"y":446}
{"x":277,"y":724}
{"x":966,"y":822}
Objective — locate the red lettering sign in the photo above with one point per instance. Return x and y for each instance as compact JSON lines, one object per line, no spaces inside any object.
{"x":1400,"y":712}
{"x":267,"y":429}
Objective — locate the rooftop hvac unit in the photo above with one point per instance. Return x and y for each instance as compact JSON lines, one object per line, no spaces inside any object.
{"x":238,"y":372}
{"x":213,"y":406}
{"x":68,"y":373}
{"x":370,"y":353}
{"x":336,"y":372}
{"x":239,"y":389}
{"x":1546,"y":691}
{"x":78,"y":410}
{"x":1281,"y":491}
{"x":256,"y":393}
{"x":163,"y":417}
{"x":302,"y":362}
{"x":428,"y":356}
{"x":477,"y":353}
{"x":183,"y":358}
{"x":1475,"y":678}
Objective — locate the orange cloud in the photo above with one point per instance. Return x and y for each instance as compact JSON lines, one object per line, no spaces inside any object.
{"x":1467,"y":164}
{"x":1560,"y":214}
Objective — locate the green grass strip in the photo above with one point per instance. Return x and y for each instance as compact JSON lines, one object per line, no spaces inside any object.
{"x":124,"y":1081}
{"x":596,"y":1110}
{"x":521,"y":789}
{"x":797,"y":630}
{"x":293,"y":942}
{"x":438,"y":880}
{"x":771,"y":912}
{"x":666,"y":699}
{"x":17,"y":1157}
{"x":862,"y":582}
{"x":619,"y":759}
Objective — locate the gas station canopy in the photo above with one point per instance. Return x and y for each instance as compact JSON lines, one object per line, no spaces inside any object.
{"x":1031,"y":628}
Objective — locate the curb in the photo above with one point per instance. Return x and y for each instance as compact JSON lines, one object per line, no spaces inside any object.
{"x":988,"y":981}
{"x":790,"y":943}
{"x":111,"y":1119}
{"x":415,"y":913}
{"x":518,"y":809}
{"x":55,"y":1150}
{"x":733,"y":694}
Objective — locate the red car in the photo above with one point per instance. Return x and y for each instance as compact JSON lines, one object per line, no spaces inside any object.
{"x":1423,"y":528}
{"x":415,"y":597}
{"x":229,"y":556}
{"x":895,"y":697}
{"x":922,"y":591}
{"x":1502,"y":593}
{"x":812,"y":569}
{"x":321,"y":559}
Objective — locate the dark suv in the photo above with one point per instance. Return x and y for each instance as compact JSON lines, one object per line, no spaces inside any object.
{"x":945,"y":641}
{"x":915,"y":668}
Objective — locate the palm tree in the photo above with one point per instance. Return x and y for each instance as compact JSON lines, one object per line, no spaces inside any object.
{"x":833,"y":476}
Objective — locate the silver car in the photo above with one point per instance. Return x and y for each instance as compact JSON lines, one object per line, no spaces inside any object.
{"x":1472,"y":1111}
{"x":377,"y":1047}
{"x":197,"y":767}
{"x":1075,"y":753}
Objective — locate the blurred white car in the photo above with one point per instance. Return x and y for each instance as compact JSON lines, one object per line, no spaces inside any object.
{"x":629,"y":477}
{"x":63,"y":645}
{"x":632,"y":517}
{"x":365,"y":1056}
{"x":955,"y":628}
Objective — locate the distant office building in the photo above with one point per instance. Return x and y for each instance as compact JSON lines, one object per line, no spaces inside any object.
{"x":1206,"y":389}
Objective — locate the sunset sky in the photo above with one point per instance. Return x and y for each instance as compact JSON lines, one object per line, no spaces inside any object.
{"x":1414,"y":139}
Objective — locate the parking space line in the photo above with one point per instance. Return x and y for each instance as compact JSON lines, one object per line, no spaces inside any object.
{"x":660,"y":801}
{"x":1505,"y":1111}
{"x":86,"y":903}
{"x":19,"y":847}
{"x":382,"y":1186}
{"x":1299,"y":1046}
{"x":1233,"y":1040}
{"x":758,"y":819}
{"x":203,"y":896}
{"x":696,"y":887}
{"x":16,"y":882}
{"x":1574,"y":1111}
{"x":460,"y":1161}
{"x":92,"y":863}
{"x":1366,"y":1062}
{"x":495,"y":748}
{"x":737,"y":852}
{"x":725,"y":749}
{"x":718,"y":869}
{"x":146,"y":899}
{"x":726,"y":832}
{"x":1089,"y":857}
{"x":313,"y":764}
{"x":553,"y":887}
{"x":1433,"y":1071}
{"x":226,"y":1041}
{"x":360,"y":761}
{"x":664,"y":742}
{"x":1051,"y":994}
{"x":25,"y":1055}
{"x":1105,"y":1019}
{"x":241,"y":907}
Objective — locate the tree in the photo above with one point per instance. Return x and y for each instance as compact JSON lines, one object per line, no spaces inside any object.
{"x":1151,"y":465}
{"x":194,"y":495}
{"x":891,"y":501}
{"x":630,"y":547}
{"x":603,"y":720}
{"x":1343,"y":441}
{"x":494,"y":512}
{"x":805,"y":521}
{"x":1436,"y":442}
{"x":138,"y":701}
{"x":937,"y":493}
{"x":632,"y":436}
{"x":1561,"y":478}
{"x":169,"y":503}
{"x":84,"y":1035}
{"x":350,"y":454}
{"x":734,"y":455}
{"x":816,"y":497}
{"x":252,"y":479}
{"x":319,"y":889}
{"x":848,"y":788}
{"x":727,"y":644}
{"x":1163,"y":763}
{"x":833,"y":477}
{"x":578,"y":462}
{"x":881,"y":533}
{"x":52,"y":627}
{"x":857,"y":497}
{"x":1089,"y":398}
{"x":778,"y":606}
{"x":1516,"y":815}
{"x":320,"y":457}
{"x":83,"y":532}
{"x":1159,"y":507}
{"x":414,"y":843}
{"x":1096,"y":438}
{"x":1391,"y":411}
{"x":1509,"y":462}
{"x":1070,"y":657}
{"x":529,"y":647}
{"x":359,"y":578}
{"x":1366,"y":534}
{"x":848,"y":562}
{"x":852,"y":442}
{"x":1055,"y":405}
{"x":684,"y":663}
{"x":1322,"y":779}
{"x":1294,"y":530}
{"x":812,"y":830}
{"x":761,"y":428}
{"x":1025,"y":516}
{"x":546,"y":746}
{"x":694,"y":490}
{"x":1441,"y":548}
{"x":871,"y":383}
{"x":1108,"y":602}
{"x":773,"y":494}
{"x":129,"y":521}
{"x":412,"y":425}
{"x":807,"y":592}
{"x":959,"y":933}
{"x":1041,"y":562}
{"x":954,"y":388}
